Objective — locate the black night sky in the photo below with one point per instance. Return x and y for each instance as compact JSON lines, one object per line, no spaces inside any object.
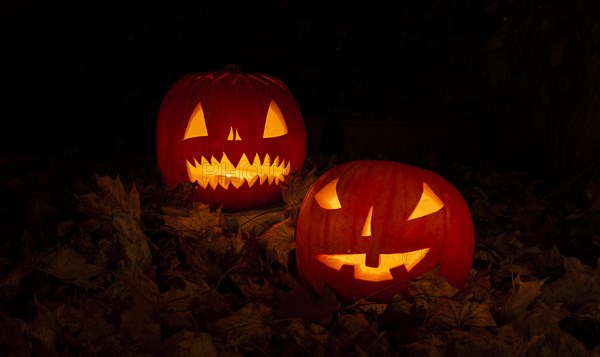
{"x":484,"y":83}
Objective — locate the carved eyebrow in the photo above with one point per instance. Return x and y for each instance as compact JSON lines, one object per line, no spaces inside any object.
{"x":428,"y":203}
{"x":327,"y":197}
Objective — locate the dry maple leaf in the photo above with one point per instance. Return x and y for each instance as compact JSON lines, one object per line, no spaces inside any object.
{"x":520,"y":296}
{"x":578,"y":288}
{"x":188,"y":343}
{"x":195,"y":222}
{"x":294,"y":190}
{"x":122,"y":210}
{"x":278,"y":241}
{"x":299,"y":303}
{"x":68,"y":265}
{"x":446,"y":313}
{"x":250,"y":324}
{"x":430,"y":287}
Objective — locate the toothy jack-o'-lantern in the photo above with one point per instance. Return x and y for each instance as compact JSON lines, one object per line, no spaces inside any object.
{"x":367,"y":227}
{"x":239,"y":135}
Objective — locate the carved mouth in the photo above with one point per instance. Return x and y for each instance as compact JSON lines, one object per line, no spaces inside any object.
{"x":379,"y":273}
{"x":222,"y":173}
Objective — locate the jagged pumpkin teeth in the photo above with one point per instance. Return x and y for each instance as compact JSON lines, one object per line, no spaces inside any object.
{"x":223,"y":173}
{"x":267,"y":160}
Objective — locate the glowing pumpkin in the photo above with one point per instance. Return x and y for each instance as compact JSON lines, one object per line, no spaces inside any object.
{"x":367,"y":227}
{"x":239,"y":135}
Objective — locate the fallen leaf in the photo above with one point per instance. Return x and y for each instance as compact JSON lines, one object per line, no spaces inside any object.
{"x":578,"y":288}
{"x":254,"y":221}
{"x":543,"y":319}
{"x":122,"y":210}
{"x":430,"y":287}
{"x":188,"y":343}
{"x":445,"y":313}
{"x":250,"y":324}
{"x":294,"y":190}
{"x":520,"y":296}
{"x":66,"y":264}
{"x":298,"y":303}
{"x":196,"y":222}
{"x":278,"y":241}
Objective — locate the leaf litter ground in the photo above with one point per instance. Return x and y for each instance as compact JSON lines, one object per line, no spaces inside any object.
{"x":103,"y":260}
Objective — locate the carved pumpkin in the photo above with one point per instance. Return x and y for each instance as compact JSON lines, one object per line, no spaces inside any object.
{"x":367,"y":227}
{"x":239,"y":135}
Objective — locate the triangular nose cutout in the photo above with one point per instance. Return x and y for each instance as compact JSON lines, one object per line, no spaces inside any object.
{"x":366,"y":232}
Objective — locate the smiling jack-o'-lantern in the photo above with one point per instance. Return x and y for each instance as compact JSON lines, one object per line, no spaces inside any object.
{"x":239,"y":135}
{"x":367,"y":227}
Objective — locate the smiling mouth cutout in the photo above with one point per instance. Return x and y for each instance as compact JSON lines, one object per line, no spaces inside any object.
{"x":382,"y":272}
{"x":222,"y":173}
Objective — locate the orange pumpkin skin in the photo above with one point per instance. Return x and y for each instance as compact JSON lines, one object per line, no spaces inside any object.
{"x":214,"y":116}
{"x":370,"y":222}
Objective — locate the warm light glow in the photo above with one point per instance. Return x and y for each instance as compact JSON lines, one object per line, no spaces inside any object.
{"x":231,"y":137}
{"x":366,"y":232}
{"x":382,"y":271}
{"x":197,"y":124}
{"x":223,"y":173}
{"x":428,"y":204}
{"x":275,"y":124}
{"x":327,"y":197}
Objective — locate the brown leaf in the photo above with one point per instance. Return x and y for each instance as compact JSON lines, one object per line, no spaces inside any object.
{"x":543,"y":319}
{"x":254,"y":221}
{"x":187,"y":343}
{"x":140,"y":323}
{"x":521,"y":295}
{"x":194,"y":223}
{"x":446,"y":313}
{"x":298,"y":303}
{"x":303,"y":338}
{"x":66,"y":264}
{"x":480,"y":342}
{"x":250,"y":324}
{"x":12,"y":338}
{"x":294,"y":190}
{"x":278,"y":241}
{"x":198,"y":298}
{"x":122,"y":210}
{"x":45,"y":327}
{"x":578,"y":288}
{"x":558,"y":343}
{"x":213,"y":256}
{"x":430,"y":287}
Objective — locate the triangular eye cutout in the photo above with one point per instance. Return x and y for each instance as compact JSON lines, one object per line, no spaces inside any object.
{"x":327,"y":197}
{"x":275,"y":124}
{"x":197,"y":124}
{"x":428,"y":204}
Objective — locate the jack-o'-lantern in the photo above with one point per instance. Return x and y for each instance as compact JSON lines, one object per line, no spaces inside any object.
{"x":238,"y":135}
{"x":367,"y":227}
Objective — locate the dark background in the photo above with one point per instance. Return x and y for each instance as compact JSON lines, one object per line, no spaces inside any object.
{"x":506,"y":84}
